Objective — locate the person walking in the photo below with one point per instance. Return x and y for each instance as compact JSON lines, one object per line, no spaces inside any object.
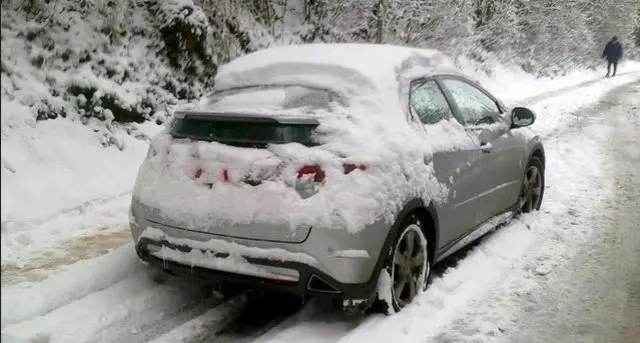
{"x":613,"y":53}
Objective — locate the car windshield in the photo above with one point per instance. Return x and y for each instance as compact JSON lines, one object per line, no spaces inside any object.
{"x":279,"y":99}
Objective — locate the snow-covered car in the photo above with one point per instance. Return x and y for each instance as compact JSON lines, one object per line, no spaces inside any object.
{"x":337,"y":170}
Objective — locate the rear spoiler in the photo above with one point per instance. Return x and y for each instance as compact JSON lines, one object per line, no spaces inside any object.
{"x":248,"y":118}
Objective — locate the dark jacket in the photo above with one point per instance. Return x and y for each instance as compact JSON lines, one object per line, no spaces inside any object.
{"x":613,"y":51}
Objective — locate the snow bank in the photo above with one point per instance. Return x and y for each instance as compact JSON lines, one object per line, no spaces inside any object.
{"x":91,"y":67}
{"x":83,"y":277}
{"x":57,"y":164}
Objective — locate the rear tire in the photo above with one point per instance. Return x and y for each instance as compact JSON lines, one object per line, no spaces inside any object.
{"x":406,"y":270}
{"x":161,"y":276}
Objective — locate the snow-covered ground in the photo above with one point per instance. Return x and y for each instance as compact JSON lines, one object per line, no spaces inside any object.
{"x":69,"y":272}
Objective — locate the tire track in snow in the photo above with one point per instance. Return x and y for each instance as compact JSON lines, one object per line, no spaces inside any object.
{"x":131,"y":310}
{"x":21,"y":303}
{"x":263,"y":312}
{"x":208,"y":324}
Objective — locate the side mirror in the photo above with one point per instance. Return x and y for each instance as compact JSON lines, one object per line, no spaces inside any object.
{"x":522,"y":117}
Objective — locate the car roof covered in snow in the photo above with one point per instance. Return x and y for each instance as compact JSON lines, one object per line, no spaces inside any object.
{"x":346,"y":67}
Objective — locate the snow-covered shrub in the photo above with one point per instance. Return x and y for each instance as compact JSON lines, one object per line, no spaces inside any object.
{"x":185,"y":32}
{"x":101,"y":59}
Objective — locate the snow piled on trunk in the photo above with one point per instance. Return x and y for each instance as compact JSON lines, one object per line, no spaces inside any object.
{"x":393,"y":153}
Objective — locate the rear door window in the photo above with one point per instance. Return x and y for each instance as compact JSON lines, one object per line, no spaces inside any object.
{"x":429,"y":103}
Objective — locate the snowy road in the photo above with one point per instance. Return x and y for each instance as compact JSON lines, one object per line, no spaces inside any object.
{"x":591,"y":291}
{"x":567,"y":274}
{"x":595,"y":297}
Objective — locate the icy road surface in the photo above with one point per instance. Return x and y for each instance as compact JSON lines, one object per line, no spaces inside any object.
{"x":570,"y":273}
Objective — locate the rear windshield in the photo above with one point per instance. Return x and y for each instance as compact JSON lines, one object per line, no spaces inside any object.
{"x":280,"y":99}
{"x":241,"y":133}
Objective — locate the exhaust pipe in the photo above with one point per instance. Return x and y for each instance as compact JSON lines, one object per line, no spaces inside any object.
{"x":319,"y":285}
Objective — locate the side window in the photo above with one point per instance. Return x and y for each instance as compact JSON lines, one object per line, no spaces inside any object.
{"x":475,"y":106}
{"x":428,"y":103}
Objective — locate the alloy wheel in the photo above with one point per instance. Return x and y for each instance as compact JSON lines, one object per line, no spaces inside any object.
{"x":409,"y":266}
{"x":531,"y":195}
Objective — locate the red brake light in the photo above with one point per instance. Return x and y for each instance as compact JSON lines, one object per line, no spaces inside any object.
{"x":198,"y":173}
{"x":318,"y":173}
{"x":225,"y":175}
{"x":348,"y":168}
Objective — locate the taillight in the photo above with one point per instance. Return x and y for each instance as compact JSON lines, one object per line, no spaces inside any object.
{"x":315,"y":170}
{"x":198,"y":173}
{"x":348,"y":168}
{"x":224,"y":175}
{"x":306,"y":187}
{"x":309,"y":186}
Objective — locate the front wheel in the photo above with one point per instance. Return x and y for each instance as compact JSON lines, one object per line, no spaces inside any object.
{"x":407,"y":269}
{"x":532,"y":190}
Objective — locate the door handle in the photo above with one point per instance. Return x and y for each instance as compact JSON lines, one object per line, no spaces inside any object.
{"x":486,"y":148}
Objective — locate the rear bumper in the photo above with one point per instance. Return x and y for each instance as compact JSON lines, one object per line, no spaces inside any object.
{"x":288,"y":276}
{"x":329,"y":262}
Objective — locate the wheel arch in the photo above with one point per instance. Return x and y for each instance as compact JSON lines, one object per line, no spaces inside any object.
{"x":538,"y":151}
{"x":429,"y":218}
{"x":428,"y":215}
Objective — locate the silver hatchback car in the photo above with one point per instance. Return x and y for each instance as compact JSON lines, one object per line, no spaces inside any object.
{"x":337,"y":170}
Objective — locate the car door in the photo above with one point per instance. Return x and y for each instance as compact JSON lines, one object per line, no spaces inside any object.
{"x":456,"y":158}
{"x":481,"y":114}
